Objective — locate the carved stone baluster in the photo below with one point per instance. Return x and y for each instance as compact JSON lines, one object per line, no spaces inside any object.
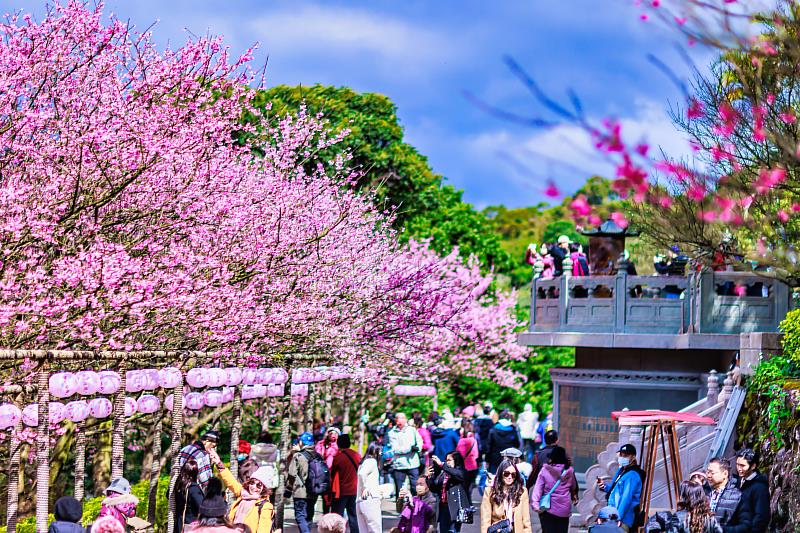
{"x":727,"y":389}
{"x":538,"y":268}
{"x":713,"y":388}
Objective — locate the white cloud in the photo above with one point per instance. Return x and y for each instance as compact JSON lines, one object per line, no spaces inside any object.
{"x":566,"y":153}
{"x":386,"y":43}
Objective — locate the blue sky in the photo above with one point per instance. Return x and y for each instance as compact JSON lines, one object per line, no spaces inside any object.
{"x":424,"y":54}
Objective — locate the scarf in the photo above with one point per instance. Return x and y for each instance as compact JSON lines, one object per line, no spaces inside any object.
{"x":246,"y":502}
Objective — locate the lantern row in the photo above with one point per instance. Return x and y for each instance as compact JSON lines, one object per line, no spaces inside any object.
{"x":415,"y":390}
{"x":80,"y":410}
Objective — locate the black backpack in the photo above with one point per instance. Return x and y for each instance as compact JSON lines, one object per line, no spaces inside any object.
{"x":319,"y":476}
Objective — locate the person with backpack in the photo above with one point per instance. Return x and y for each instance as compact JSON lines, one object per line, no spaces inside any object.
{"x":344,"y":477}
{"x":406,"y":445}
{"x":503,"y":435}
{"x":307,"y":478}
{"x":625,"y":491}
{"x":552,"y":494}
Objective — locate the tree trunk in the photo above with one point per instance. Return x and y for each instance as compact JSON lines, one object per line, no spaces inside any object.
{"x":280,"y":501}
{"x":101,"y":460}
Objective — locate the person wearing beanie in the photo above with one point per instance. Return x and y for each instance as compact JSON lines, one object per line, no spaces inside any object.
{"x":607,"y":519}
{"x":243,"y":452}
{"x":119,"y":503}
{"x":68,"y":512}
{"x":213,"y":517}
{"x":251,"y":506}
{"x":297,"y":483}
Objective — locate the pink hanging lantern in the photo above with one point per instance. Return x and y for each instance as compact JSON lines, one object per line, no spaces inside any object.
{"x":110,"y":382}
{"x":275,"y":390}
{"x":193,"y":401}
{"x":57,"y":412}
{"x":134,"y":381}
{"x":197,"y":377}
{"x":147,"y":403}
{"x":150,"y":379}
{"x":100,"y":407}
{"x":217,"y":377}
{"x":130,"y":406}
{"x":169,"y":377}
{"x":78,"y":411}
{"x":227,"y":394}
{"x":281,"y":376}
{"x":299,"y":389}
{"x":415,"y":390}
{"x":212,"y":397}
{"x":30,"y":415}
{"x":10,"y":415}
{"x":168,"y":402}
{"x":233,"y":375}
{"x":63,"y":384}
{"x":264,"y":376}
{"x":88,"y":382}
{"x":249,"y":376}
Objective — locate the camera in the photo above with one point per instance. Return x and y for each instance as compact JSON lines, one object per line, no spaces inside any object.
{"x":466,"y":515}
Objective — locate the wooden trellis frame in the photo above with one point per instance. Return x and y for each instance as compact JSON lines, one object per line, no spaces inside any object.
{"x":180,"y":359}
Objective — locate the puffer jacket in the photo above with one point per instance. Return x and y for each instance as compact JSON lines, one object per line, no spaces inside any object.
{"x":60,"y":526}
{"x":561,"y":497}
{"x":259,"y":517}
{"x":265,"y":454}
{"x":731,"y":514}
{"x":669,"y":522}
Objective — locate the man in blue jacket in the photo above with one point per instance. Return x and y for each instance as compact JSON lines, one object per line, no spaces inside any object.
{"x":625,"y":491}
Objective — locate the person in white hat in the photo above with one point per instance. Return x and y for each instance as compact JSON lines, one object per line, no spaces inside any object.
{"x":559,"y":253}
{"x":119,"y":503}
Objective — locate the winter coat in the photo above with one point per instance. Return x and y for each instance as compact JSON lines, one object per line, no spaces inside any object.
{"x":417,"y":517}
{"x":561,"y":498}
{"x":468,"y":448}
{"x":492,"y":513}
{"x":483,"y":425}
{"x":403,"y":443}
{"x":756,"y":502}
{"x":211,"y":529}
{"x":444,"y":442}
{"x":259,"y":517}
{"x":527,"y":421}
{"x":198,"y":452}
{"x":669,"y":522}
{"x":549,"y":270}
{"x":60,"y":526}
{"x":627,"y":493}
{"x":455,"y":487}
{"x":327,"y":450}
{"x":503,"y":435}
{"x":189,"y":500}
{"x":298,"y":473}
{"x":731,"y":514}
{"x":427,"y":443}
{"x":558,"y":254}
{"x":606,"y":527}
{"x":580,"y":267}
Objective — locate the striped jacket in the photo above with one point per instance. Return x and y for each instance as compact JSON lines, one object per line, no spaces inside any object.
{"x":197,"y":451}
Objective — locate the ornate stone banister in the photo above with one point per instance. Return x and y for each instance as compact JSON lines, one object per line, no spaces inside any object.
{"x":694,"y":442}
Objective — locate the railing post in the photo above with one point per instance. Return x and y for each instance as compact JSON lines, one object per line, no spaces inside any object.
{"x":712,"y":393}
{"x":620,"y":300}
{"x":563,"y":302}
{"x":780,"y":295}
{"x":704,"y":301}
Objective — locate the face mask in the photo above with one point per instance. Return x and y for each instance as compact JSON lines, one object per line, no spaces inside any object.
{"x":241,"y":457}
{"x":623,"y":461}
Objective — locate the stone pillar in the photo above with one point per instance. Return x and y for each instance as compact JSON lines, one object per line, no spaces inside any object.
{"x":727,"y":389}
{"x":712,"y":384}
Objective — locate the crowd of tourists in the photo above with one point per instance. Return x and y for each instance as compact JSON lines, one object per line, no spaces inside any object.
{"x":436,"y":469}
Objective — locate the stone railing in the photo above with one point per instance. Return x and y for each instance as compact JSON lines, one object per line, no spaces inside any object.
{"x":694,"y":442}
{"x":708,"y":302}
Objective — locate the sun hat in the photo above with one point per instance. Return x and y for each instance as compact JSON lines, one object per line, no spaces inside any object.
{"x":119,"y":485}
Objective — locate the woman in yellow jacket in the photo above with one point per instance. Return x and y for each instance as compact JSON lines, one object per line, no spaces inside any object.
{"x":506,"y":502}
{"x":252,"y":506}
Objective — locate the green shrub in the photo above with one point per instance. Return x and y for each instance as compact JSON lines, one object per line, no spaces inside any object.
{"x":790,"y":327}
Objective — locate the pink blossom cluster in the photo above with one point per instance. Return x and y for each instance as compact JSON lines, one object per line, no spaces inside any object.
{"x":132,"y":219}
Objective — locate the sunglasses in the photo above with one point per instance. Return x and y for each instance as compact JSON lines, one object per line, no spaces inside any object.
{"x":509,"y":473}
{"x":257,"y":483}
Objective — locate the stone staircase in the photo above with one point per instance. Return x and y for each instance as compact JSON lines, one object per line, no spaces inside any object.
{"x":694,"y":442}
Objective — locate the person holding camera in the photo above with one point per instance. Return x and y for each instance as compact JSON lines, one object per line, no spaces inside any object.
{"x":448,"y":481}
{"x":405,"y":444}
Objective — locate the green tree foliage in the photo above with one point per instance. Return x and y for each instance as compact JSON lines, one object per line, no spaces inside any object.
{"x":393,"y":170}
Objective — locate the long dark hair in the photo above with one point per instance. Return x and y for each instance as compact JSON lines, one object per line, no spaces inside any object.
{"x":187,"y":476}
{"x":373,"y":450}
{"x":502,"y":492}
{"x":458,"y":459}
{"x":692,"y":498}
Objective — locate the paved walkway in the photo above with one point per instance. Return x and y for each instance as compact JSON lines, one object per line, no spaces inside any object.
{"x":391,"y":517}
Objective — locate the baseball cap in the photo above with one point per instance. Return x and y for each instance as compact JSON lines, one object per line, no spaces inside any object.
{"x":511,"y":452}
{"x":627,"y":449}
{"x":564,"y":240}
{"x":212,"y":436}
{"x":608,"y":512}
